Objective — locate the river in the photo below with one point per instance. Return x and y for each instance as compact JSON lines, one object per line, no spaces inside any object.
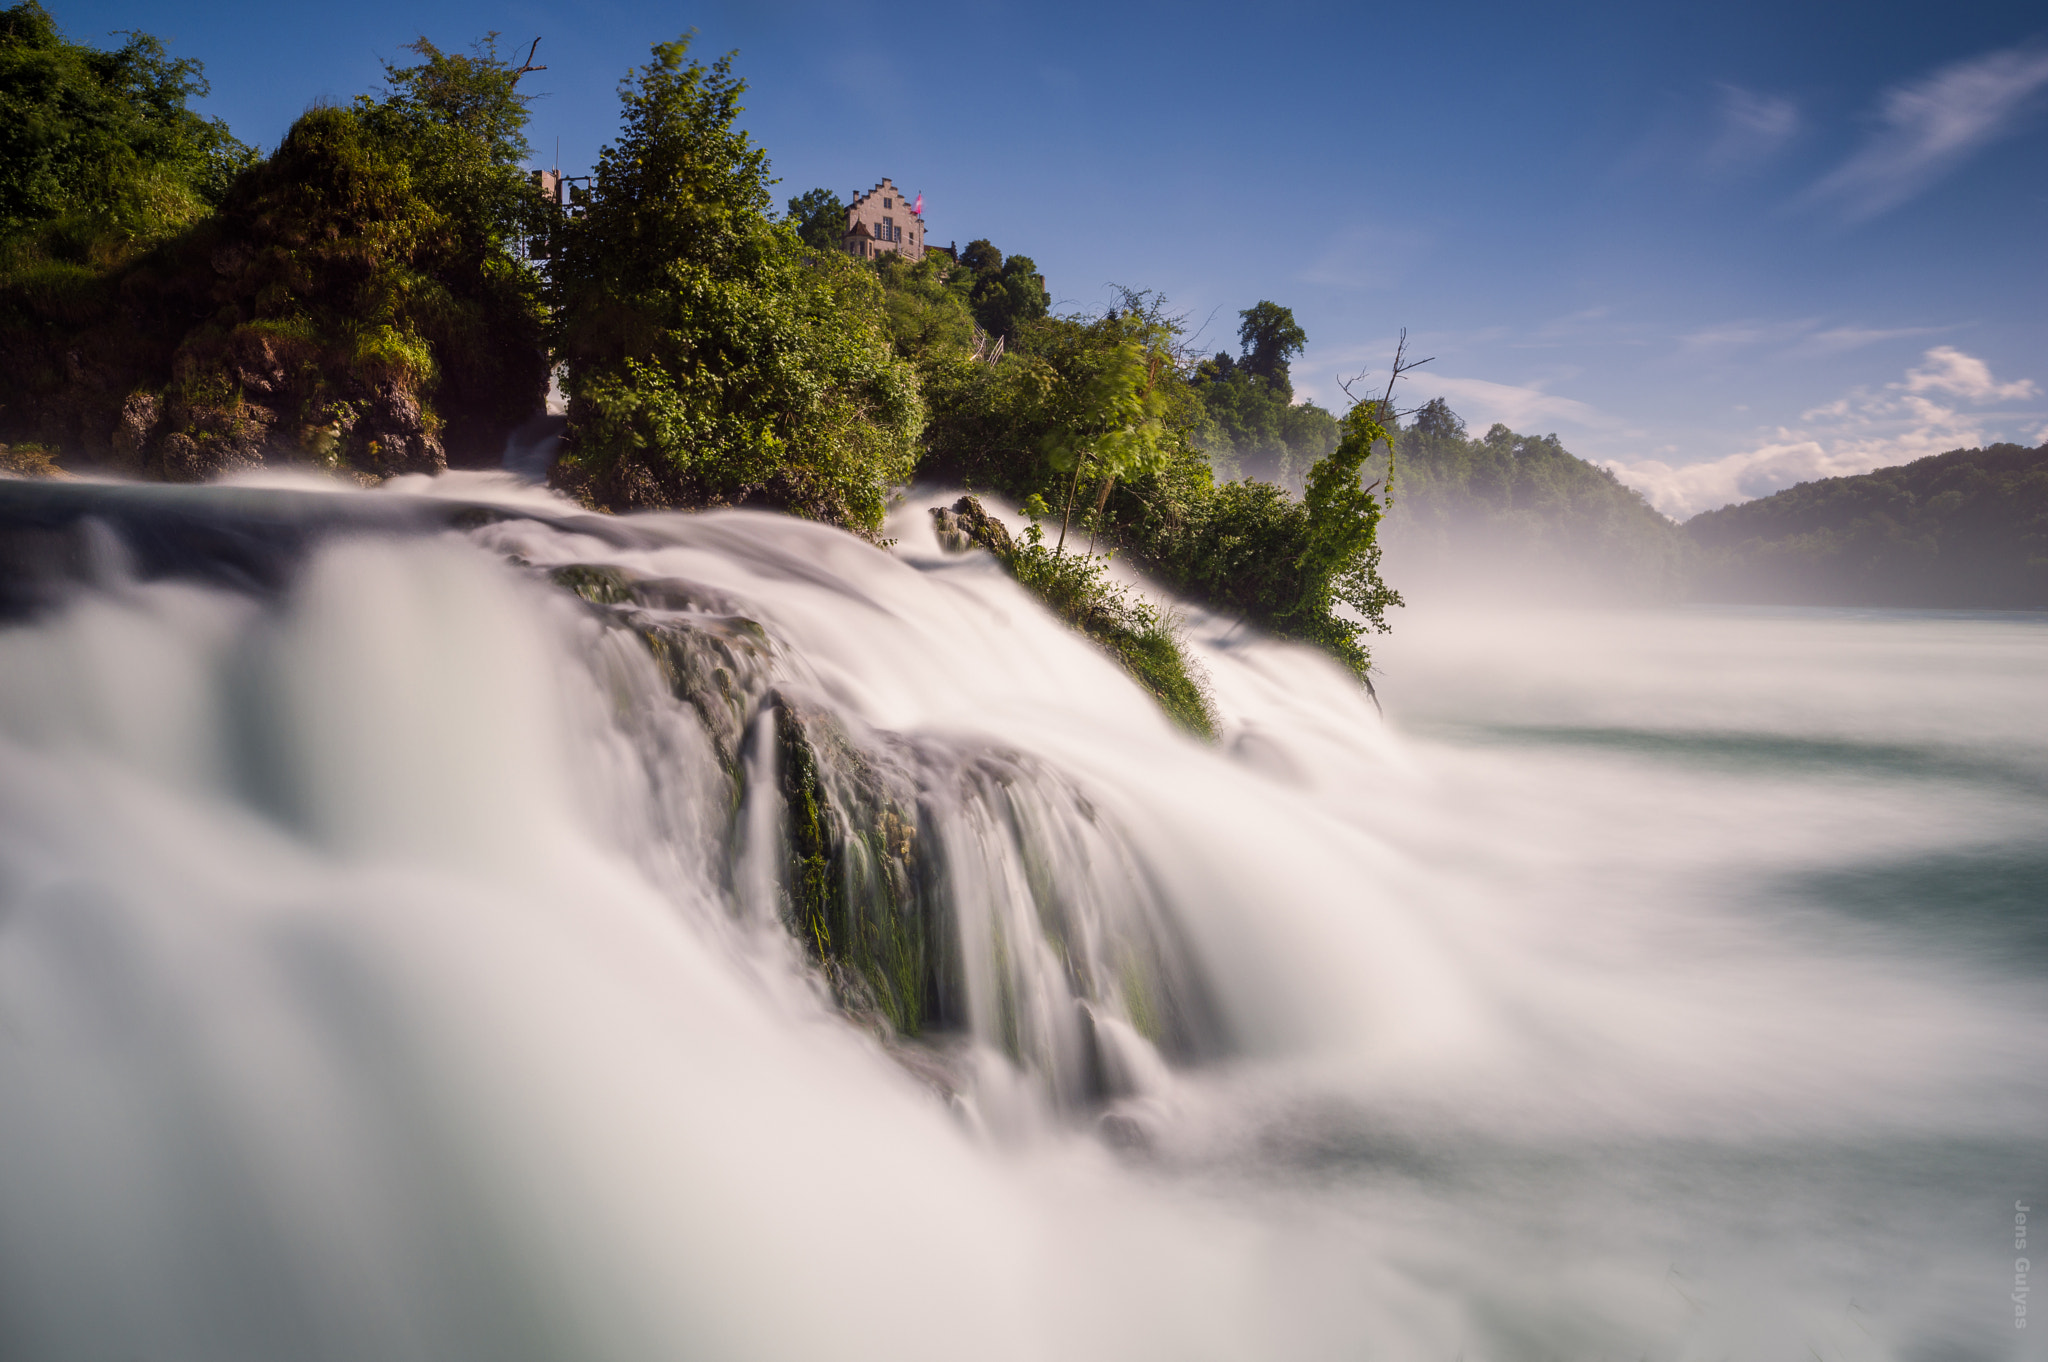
{"x":398,"y":959}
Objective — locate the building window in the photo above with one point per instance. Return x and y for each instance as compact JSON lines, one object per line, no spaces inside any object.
{"x":888,"y":203}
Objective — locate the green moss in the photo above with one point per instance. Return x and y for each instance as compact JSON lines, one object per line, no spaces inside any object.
{"x":598,"y":585}
{"x":1076,"y":587}
{"x":852,"y":873}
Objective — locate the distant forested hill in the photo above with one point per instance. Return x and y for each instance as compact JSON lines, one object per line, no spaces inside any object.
{"x":1966,"y":528}
{"x":1509,"y":515}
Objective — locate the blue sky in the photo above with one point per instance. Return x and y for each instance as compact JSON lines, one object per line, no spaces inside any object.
{"x":1722,"y":248}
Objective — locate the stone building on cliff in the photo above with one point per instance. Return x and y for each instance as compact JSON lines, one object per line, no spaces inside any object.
{"x":880,"y":221}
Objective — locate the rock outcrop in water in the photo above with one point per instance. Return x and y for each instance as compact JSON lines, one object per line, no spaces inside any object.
{"x":875,"y":838}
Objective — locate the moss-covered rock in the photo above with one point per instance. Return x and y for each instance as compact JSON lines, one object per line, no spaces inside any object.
{"x":854,"y":870}
{"x":324,"y":315}
{"x":1146,"y":643}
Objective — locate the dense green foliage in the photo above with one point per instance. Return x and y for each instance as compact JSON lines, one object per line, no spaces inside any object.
{"x":1031,"y":425}
{"x":713,"y":358}
{"x":1965,"y":528}
{"x":819,"y":218}
{"x":1255,"y":427}
{"x":98,"y":147}
{"x":1005,"y":293}
{"x":349,"y":303}
{"x":459,"y":122}
{"x":1519,"y":515}
{"x":1290,"y":563}
{"x":1271,"y":339}
{"x":359,"y":300}
{"x":926,"y":310}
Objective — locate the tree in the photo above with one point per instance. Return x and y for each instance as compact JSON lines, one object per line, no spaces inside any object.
{"x":1254,"y":429}
{"x":459,"y":122}
{"x":819,"y":218}
{"x":1342,"y":557}
{"x":713,"y":358}
{"x":1004,"y":293}
{"x":1106,"y":423}
{"x":104,"y":139}
{"x":929,"y":319}
{"x":1270,"y":338}
{"x":1437,"y":423}
{"x":982,"y":257}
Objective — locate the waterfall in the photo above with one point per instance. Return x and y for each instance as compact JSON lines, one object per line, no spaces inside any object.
{"x":437,"y":922}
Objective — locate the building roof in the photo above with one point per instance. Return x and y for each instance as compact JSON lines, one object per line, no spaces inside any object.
{"x":885,"y":184}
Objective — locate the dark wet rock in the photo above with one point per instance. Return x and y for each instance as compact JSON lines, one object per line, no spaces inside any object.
{"x":395,"y":438}
{"x":713,"y":658}
{"x":141,"y":414}
{"x":966,"y":525}
{"x":854,"y":875}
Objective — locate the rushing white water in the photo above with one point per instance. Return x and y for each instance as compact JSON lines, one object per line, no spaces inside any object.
{"x":393,"y":966}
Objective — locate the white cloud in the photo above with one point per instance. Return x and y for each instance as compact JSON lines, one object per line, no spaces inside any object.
{"x":1853,"y":434}
{"x":1753,"y":126}
{"x":1840,"y":339}
{"x":1949,"y":370}
{"x":1482,"y":403}
{"x":1932,"y":126}
{"x":1797,"y":337}
{"x":1733,"y":335}
{"x":1366,"y":257}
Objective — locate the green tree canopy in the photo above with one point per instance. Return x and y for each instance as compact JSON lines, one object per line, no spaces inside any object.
{"x":982,"y":257}
{"x":929,"y":319}
{"x":712,"y":357}
{"x":1004,"y":292}
{"x":1436,"y":423}
{"x":104,"y":137}
{"x":459,"y":121}
{"x":1106,"y":420}
{"x":349,"y":301}
{"x":1252,"y":428}
{"x":1270,"y":338}
{"x":819,"y":218}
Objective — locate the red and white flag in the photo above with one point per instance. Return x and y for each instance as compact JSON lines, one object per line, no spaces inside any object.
{"x":918,"y":207}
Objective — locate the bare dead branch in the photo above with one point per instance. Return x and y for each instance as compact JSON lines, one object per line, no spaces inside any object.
{"x":529,"y":66}
{"x":1401,"y":367}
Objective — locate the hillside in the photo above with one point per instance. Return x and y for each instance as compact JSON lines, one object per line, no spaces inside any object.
{"x":1508,"y":515}
{"x":1968,"y":528}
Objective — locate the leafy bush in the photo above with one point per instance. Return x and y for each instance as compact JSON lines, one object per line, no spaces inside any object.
{"x":1077,"y":588}
{"x":98,"y":148}
{"x":713,"y":358}
{"x":1290,"y":564}
{"x":351,"y":302}
{"x":1304,"y":567}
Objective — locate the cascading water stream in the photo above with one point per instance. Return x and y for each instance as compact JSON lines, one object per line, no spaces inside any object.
{"x":439,"y":923}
